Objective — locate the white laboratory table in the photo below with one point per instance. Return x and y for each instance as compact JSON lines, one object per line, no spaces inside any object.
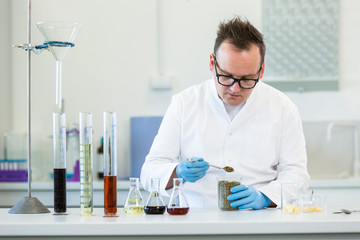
{"x":338,"y":191}
{"x":198,"y":224}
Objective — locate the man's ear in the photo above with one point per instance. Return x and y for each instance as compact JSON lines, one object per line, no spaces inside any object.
{"x":212,"y":62}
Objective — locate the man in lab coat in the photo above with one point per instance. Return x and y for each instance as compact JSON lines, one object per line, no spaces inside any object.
{"x":233,"y":119}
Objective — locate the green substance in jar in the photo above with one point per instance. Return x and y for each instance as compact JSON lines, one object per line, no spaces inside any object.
{"x":223,"y":192}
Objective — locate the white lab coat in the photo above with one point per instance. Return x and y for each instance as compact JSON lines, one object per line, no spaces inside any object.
{"x":264,"y":143}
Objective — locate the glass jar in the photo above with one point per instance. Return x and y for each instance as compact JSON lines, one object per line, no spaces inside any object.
{"x":225,"y":183}
{"x":290,"y":193}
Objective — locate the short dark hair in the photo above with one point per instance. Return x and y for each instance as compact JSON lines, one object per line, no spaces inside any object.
{"x":240,"y":33}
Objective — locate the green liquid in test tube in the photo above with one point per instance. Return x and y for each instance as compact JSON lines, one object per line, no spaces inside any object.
{"x":86,"y":164}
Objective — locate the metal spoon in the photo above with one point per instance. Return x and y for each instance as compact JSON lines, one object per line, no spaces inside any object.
{"x":349,"y":211}
{"x":226,"y":168}
{"x":346,"y":211}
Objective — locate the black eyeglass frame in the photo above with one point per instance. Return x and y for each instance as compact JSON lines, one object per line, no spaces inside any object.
{"x":238,"y":80}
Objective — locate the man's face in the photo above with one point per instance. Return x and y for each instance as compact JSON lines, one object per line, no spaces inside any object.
{"x":238,"y":64}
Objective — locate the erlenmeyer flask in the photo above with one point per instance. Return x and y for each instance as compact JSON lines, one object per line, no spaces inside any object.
{"x":134,"y":203}
{"x":178,"y":204}
{"x":155,"y":204}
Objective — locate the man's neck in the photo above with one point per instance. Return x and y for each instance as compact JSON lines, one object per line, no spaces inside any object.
{"x":233,"y":110}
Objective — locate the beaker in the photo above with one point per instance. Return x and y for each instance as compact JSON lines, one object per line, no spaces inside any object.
{"x":225,"y":183}
{"x":134,"y":203}
{"x":178,"y":204}
{"x":290,"y":193}
{"x":59,"y":144}
{"x":155,"y":204}
{"x":110,"y":163}
{"x":86,"y":164}
{"x":311,"y":203}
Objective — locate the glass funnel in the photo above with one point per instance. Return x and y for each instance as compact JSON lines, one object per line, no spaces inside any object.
{"x":178,"y":204}
{"x":155,"y":204}
{"x":134,"y":203}
{"x":59,"y":37}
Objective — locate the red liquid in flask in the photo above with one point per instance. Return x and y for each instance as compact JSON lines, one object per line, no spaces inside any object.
{"x":110,"y":195}
{"x":178,"y":210}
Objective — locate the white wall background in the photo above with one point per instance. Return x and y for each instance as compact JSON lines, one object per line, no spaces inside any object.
{"x":5,"y":72}
{"x":116,"y":55}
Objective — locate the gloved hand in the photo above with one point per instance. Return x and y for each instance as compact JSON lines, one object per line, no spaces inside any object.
{"x":191,"y":171}
{"x":244,"y":197}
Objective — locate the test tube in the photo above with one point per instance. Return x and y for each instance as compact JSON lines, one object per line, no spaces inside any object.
{"x":110,"y":164}
{"x":86,"y":164}
{"x":59,"y":144}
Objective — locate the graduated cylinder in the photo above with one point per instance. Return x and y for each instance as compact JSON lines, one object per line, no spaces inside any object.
{"x":110,"y":163}
{"x":86,"y":164}
{"x":59,"y":146}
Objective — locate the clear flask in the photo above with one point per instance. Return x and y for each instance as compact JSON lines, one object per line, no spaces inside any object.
{"x":178,"y":204}
{"x":134,"y":203}
{"x":155,"y":204}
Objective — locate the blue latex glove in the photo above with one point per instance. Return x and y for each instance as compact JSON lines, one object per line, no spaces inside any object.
{"x":244,"y":197}
{"x":191,"y":171}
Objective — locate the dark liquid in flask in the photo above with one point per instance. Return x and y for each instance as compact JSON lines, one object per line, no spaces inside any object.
{"x":59,"y":190}
{"x":178,"y":211}
{"x":154,"y":209}
{"x":110,"y":195}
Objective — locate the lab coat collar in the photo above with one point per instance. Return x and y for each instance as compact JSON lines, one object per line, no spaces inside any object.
{"x":213,"y":92}
{"x":217,"y":100}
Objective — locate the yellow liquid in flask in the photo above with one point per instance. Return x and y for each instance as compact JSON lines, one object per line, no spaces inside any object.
{"x":134,"y":209}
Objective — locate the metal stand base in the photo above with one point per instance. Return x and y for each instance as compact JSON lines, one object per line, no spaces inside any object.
{"x":28,"y":205}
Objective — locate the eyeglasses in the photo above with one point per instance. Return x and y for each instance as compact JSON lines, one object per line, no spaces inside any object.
{"x":229,"y":80}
